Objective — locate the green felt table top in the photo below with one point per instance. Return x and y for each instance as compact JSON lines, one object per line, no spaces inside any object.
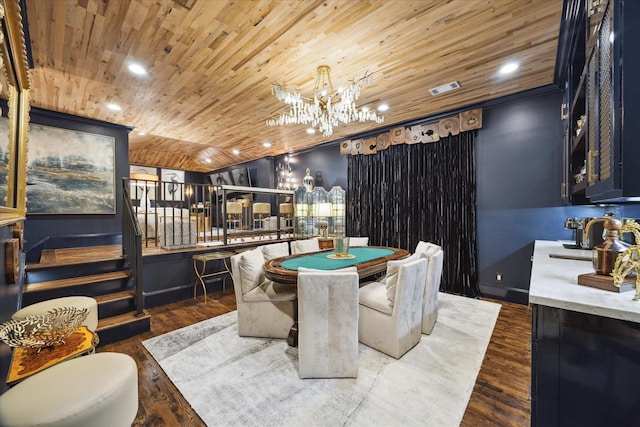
{"x":319,"y":261}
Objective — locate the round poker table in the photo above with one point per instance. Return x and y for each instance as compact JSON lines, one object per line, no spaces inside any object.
{"x":369,"y":260}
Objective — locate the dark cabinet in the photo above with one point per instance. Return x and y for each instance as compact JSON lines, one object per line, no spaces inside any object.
{"x":600,"y":137}
{"x":573,"y":110}
{"x":613,"y":100}
{"x":585,"y":369}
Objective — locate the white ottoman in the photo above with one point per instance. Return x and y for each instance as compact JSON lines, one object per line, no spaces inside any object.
{"x":96,"y":390}
{"x":41,"y":308}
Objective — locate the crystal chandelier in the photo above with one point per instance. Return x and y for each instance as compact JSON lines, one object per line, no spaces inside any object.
{"x":328,"y":108}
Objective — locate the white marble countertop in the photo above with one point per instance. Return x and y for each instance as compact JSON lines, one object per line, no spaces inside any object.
{"x":554,"y":283}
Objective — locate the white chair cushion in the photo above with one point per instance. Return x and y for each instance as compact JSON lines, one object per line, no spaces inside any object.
{"x":275,"y":250}
{"x":426,"y":248}
{"x":393,"y":268}
{"x":270,"y":291}
{"x":374,"y":296}
{"x":305,"y":246}
{"x":358,"y":241}
{"x":251,"y":269}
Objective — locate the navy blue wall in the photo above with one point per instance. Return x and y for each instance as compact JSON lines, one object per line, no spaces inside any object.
{"x":327,"y":167}
{"x":519,"y":171}
{"x":38,"y":227}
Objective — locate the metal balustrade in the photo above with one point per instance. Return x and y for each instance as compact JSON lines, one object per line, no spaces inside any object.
{"x":179,"y":215}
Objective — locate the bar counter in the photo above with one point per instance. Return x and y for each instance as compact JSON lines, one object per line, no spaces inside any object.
{"x":585,"y":345}
{"x":554,"y":283}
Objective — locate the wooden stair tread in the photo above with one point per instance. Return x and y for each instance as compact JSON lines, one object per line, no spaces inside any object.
{"x":75,"y":281}
{"x":65,"y":263}
{"x":114,"y":296}
{"x":121,"y":319}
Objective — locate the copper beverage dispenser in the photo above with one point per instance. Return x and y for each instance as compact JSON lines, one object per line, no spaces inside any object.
{"x":605,"y":253}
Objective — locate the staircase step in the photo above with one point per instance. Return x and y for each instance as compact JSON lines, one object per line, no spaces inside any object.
{"x":75,"y":281}
{"x":53,"y":258}
{"x":115,"y":303}
{"x":35,"y":273}
{"x":115,"y":296}
{"x":123,"y":326}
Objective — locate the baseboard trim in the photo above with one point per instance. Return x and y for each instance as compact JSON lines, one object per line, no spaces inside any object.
{"x":505,"y":293}
{"x":180,"y":293}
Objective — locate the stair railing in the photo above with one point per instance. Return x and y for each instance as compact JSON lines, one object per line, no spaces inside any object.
{"x":132,"y":246}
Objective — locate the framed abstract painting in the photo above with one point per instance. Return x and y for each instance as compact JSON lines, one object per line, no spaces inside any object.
{"x":70,"y":172}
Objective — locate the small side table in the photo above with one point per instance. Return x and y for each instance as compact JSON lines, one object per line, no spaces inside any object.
{"x":201,"y":273}
{"x":28,"y":361}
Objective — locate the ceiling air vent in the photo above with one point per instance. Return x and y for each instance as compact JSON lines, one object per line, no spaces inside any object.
{"x":444,"y":88}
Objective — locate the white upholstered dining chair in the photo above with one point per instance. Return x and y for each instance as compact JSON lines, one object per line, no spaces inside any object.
{"x":265,"y":308}
{"x":274,"y":250}
{"x":358,"y":241}
{"x":435,"y":258}
{"x":305,"y":246}
{"x":391,"y":311}
{"x":328,"y":323}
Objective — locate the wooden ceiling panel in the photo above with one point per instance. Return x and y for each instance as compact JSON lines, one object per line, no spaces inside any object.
{"x":211,"y":64}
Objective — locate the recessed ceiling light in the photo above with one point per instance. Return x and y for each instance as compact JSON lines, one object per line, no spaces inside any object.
{"x":207,"y":160}
{"x":509,"y":67}
{"x":235,"y":151}
{"x":114,"y":107}
{"x":383,"y":107}
{"x":137,"y":69}
{"x":142,"y":133}
{"x":266,"y":144}
{"x":311,"y":131}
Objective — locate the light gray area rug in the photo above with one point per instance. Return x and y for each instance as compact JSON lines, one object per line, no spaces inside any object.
{"x":231,"y":380}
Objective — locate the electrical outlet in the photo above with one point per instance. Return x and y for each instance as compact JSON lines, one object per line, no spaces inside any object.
{"x":499,"y":277}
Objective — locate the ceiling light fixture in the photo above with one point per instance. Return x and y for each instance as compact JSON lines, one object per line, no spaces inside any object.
{"x":326,"y":108}
{"x":266,"y":144}
{"x":114,"y":107}
{"x":383,"y":107}
{"x":509,"y":67}
{"x":137,"y":69}
{"x":235,"y":151}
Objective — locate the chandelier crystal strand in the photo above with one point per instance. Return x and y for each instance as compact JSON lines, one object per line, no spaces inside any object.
{"x":327,"y":108}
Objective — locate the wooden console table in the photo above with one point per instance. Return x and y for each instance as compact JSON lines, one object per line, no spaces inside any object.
{"x":28,"y":361}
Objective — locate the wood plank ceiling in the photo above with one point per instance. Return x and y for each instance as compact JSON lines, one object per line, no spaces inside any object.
{"x":211,"y":65}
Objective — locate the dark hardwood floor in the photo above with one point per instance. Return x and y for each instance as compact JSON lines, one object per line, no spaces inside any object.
{"x":500,"y":396}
